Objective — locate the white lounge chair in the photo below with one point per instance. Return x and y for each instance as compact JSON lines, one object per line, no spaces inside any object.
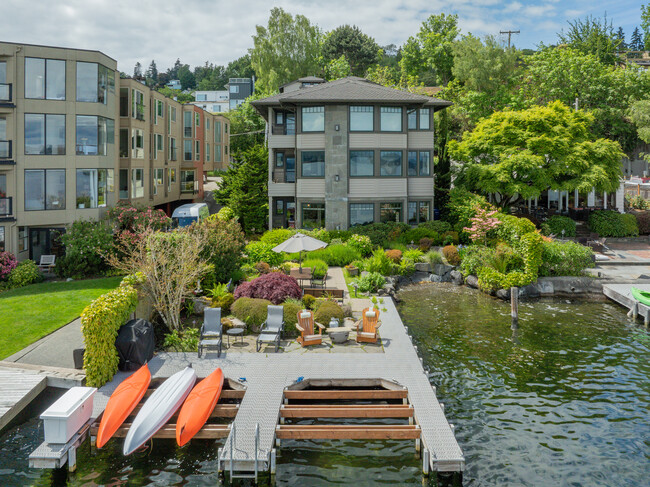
{"x":271,"y":330}
{"x":47,"y":263}
{"x":211,"y":330}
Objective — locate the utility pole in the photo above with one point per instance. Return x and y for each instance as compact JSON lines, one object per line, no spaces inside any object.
{"x":509,"y":32}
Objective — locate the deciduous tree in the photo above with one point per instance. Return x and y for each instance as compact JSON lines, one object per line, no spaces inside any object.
{"x":592,"y":35}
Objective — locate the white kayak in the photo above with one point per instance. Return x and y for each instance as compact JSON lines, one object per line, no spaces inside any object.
{"x":159,"y":408}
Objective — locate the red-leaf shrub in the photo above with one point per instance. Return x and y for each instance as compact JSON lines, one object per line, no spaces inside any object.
{"x":8,"y":263}
{"x":275,"y":286}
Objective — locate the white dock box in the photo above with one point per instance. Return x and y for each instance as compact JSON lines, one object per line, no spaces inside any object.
{"x":68,"y":414}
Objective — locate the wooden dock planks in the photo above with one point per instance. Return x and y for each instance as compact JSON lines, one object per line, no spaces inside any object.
{"x":17,"y":390}
{"x":347,"y":432}
{"x":347,"y":411}
{"x":345,"y":394}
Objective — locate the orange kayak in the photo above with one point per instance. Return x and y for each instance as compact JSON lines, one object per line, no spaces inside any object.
{"x":122,"y":402}
{"x":198,"y":407}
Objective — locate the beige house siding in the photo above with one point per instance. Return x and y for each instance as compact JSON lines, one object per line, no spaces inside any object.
{"x":420,"y":140}
{"x":378,"y":140}
{"x":310,"y":141}
{"x":311,"y":188}
{"x":420,"y":187}
{"x":282,"y":142}
{"x":374,"y":188}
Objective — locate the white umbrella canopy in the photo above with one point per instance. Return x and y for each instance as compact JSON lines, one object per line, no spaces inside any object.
{"x":299,"y":243}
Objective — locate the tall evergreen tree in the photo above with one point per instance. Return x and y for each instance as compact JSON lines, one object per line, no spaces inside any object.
{"x":360,"y":50}
{"x":152,"y":74}
{"x":636,"y":42}
{"x":137,"y":70}
{"x":620,"y":35}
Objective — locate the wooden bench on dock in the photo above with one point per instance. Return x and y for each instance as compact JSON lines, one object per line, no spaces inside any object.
{"x":317,"y":292}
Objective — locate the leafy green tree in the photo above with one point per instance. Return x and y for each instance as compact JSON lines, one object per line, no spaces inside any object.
{"x":287,"y":49}
{"x":592,"y":35}
{"x":244,"y":188}
{"x":360,"y":50}
{"x":640,"y":115}
{"x":390,"y":56}
{"x":337,"y":68}
{"x":180,"y":96}
{"x":246,"y":126}
{"x":173,"y":71}
{"x":240,"y":68}
{"x":645,"y":26}
{"x":519,"y":154}
{"x":636,"y":42}
{"x":186,"y":77}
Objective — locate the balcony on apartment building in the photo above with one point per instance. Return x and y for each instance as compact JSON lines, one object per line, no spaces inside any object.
{"x":6,"y":152}
{"x":6,"y":208}
{"x":6,"y":94}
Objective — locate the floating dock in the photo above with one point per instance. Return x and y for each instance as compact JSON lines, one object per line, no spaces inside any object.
{"x":622,"y":294}
{"x":313,"y":384}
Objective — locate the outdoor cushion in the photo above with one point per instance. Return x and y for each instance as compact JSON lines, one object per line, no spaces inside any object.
{"x":366,"y":334}
{"x":309,"y":338}
{"x":305,"y":314}
{"x":370,"y":314}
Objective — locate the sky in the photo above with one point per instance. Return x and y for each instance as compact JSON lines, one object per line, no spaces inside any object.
{"x":197,"y":31}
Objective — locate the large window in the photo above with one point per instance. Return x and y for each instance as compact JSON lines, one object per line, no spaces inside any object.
{"x":160,"y":144}
{"x":171,"y":178}
{"x":94,"y":135}
{"x":419,"y":163}
{"x":313,"y":119}
{"x":390,"y":212}
{"x":361,"y":213}
{"x":419,"y":119}
{"x":313,"y":215}
{"x":217,"y":153}
{"x":160,"y":110}
{"x":425,"y":118}
{"x":124,"y":142}
{"x":124,"y":102}
{"x":362,"y":119}
{"x":217,"y":132}
{"x":419,"y":211}
{"x":362,"y":163}
{"x":44,"y":134}
{"x":44,"y":78}
{"x":197,"y":150}
{"x":2,"y":239}
{"x":91,"y":187}
{"x":137,"y":143}
{"x":187,"y":124}
{"x":172,"y":149}
{"x":124,"y":184}
{"x":137,"y":183}
{"x":187,"y":150}
{"x":391,"y":119}
{"x":137,"y":104}
{"x":207,"y":152}
{"x":187,"y":181}
{"x":390,"y":163}
{"x":158,"y":176}
{"x":44,"y":189}
{"x":93,"y":82}
{"x":313,"y":164}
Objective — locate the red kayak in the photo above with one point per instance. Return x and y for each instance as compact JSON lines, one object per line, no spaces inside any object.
{"x":122,"y":402}
{"x":198,"y":406}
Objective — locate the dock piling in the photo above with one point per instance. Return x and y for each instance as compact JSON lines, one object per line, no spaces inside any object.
{"x":425,"y":462}
{"x":514,"y":306}
{"x":72,"y":459}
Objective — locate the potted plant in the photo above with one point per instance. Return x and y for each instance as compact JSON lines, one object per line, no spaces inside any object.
{"x":352,"y":270}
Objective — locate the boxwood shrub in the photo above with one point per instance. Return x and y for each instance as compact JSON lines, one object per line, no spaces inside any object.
{"x":252,"y":311}
{"x":609,"y":223}
{"x":557,"y":223}
{"x":328,"y":310}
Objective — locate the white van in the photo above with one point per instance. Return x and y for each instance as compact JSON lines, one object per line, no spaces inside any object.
{"x":185,"y":215}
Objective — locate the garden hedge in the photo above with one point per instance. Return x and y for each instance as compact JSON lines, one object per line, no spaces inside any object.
{"x":251,"y":311}
{"x":100,"y":322}
{"x":557,"y":223}
{"x":609,"y":223}
{"x":328,"y":310}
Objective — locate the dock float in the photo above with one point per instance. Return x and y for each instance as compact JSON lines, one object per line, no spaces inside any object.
{"x":390,"y":387}
{"x":622,"y":294}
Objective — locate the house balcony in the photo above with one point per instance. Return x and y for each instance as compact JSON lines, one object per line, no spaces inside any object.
{"x":6,"y":95}
{"x":6,"y":209}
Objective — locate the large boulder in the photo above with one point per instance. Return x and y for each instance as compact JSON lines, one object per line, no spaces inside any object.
{"x":456,"y":277}
{"x":472,"y":281}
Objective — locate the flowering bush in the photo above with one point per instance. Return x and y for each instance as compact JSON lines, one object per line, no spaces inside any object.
{"x":8,"y":263}
{"x":276,"y":287}
{"x":360,"y":243}
{"x":482,"y":222}
{"x":131,"y":222}
{"x":87,"y":244}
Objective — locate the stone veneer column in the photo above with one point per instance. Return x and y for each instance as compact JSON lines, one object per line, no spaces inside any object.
{"x":336,"y":164}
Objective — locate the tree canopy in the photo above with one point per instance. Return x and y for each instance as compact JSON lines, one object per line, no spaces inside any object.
{"x":286,"y":49}
{"x":519,"y":154}
{"x":360,"y":50}
{"x":593,"y":35}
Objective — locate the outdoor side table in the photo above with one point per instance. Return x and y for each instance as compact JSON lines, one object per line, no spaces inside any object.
{"x":339,"y":334}
{"x":235,"y":332}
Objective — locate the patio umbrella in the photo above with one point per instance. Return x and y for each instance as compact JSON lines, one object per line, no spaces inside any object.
{"x":299,"y":243}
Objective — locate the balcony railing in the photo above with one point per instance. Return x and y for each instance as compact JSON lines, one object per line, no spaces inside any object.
{"x":5,"y":149}
{"x":6,"y":207}
{"x":6,"y":95}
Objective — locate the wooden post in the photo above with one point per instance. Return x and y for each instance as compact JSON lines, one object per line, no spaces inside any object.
{"x":514,"y":306}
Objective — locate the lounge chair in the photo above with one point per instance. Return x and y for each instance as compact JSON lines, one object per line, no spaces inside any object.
{"x":306,"y":327}
{"x":271,"y":330}
{"x":211,"y":330}
{"x":367,"y":326}
{"x":47,"y":263}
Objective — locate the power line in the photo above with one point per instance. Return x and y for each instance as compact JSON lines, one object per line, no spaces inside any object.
{"x":509,"y":32}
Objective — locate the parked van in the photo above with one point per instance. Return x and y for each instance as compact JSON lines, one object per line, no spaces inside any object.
{"x":185,"y":215}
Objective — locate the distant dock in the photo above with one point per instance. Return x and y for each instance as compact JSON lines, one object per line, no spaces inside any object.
{"x":622,"y":294}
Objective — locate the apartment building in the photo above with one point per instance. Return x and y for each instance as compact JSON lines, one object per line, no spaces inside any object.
{"x":58,"y":109}
{"x":75,"y":140}
{"x":212,"y":101}
{"x":238,"y":90}
{"x":349,"y":152}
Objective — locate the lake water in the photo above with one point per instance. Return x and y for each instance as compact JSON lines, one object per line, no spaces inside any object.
{"x":563,"y":401}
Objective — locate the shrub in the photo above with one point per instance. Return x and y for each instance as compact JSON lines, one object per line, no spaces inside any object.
{"x":87,"y":243}
{"x":100,"y":322}
{"x":642,"y":220}
{"x":473,"y":258}
{"x":425,"y":244}
{"x":318,"y":267}
{"x":512,"y":229}
{"x":637,"y":202}
{"x":451,"y":254}
{"x":182,"y":341}
{"x":394,"y":255}
{"x":342,"y":235}
{"x":608,"y":223}
{"x":335,"y":255}
{"x":319,"y":234}
{"x":261,"y":252}
{"x":224,"y":302}
{"x":406,"y":267}
{"x":276,"y":287}
{"x":381,"y":233}
{"x":24,"y":274}
{"x":557,"y":223}
{"x":450,"y":238}
{"x":291,"y":309}
{"x":8,"y":263}
{"x":361,"y":243}
{"x":262,"y":268}
{"x":276,"y":236}
{"x":379,"y":262}
{"x":224,"y":244}
{"x":328,"y":310}
{"x":462,"y":206}
{"x":131,"y":221}
{"x":438,"y":226}
{"x":370,"y":282}
{"x":414,"y":254}
{"x":308,"y":301}
{"x":505,"y":259}
{"x":433,"y":258}
{"x":251,"y":311}
{"x":416,"y":234}
{"x":225,"y":214}
{"x":565,"y":259}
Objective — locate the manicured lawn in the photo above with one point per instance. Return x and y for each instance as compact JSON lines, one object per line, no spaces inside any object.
{"x":31,"y":312}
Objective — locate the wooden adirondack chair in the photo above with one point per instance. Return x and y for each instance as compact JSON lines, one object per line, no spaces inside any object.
{"x":306,"y":327}
{"x":367,"y":326}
